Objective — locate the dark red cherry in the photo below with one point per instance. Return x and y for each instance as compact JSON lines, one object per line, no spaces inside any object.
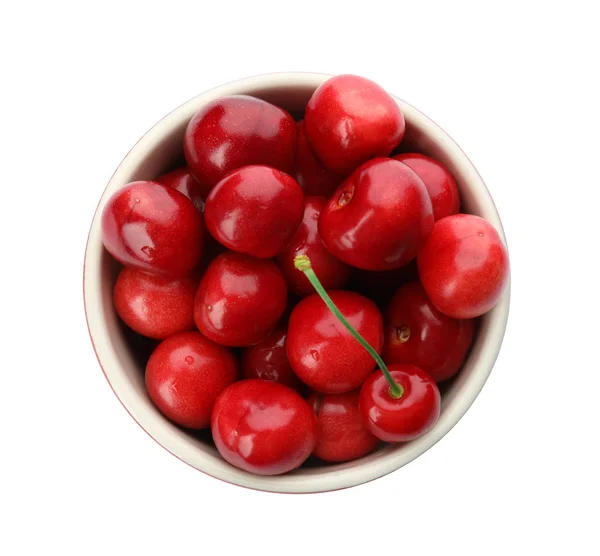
{"x":332,"y":272}
{"x":184,"y":376}
{"x":263,"y":427}
{"x":349,"y":120}
{"x":181,"y":180}
{"x":417,"y":333}
{"x":152,"y":227}
{"x":235,"y":131}
{"x":240,"y":300}
{"x":255,"y":210}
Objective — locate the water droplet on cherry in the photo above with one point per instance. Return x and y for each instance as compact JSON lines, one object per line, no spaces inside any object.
{"x":189,"y":359}
{"x":315,"y":354}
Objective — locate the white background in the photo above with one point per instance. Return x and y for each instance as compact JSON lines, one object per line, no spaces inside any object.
{"x":514,"y":83}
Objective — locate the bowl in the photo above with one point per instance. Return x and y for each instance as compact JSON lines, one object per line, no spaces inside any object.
{"x":119,"y":356}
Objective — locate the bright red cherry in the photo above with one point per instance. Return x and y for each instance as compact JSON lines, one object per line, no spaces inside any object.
{"x":255,"y":210}
{"x":417,"y":333}
{"x":268,"y":360}
{"x":183,"y":181}
{"x":439,"y":182}
{"x":332,"y":272}
{"x":404,"y":418}
{"x":155,"y":306}
{"x":350,"y":119}
{"x":379,"y":217}
{"x":464,"y":266}
{"x":312,"y":176}
{"x":184,"y":376}
{"x":152,"y":227}
{"x":263,"y":427}
{"x":322,"y":352}
{"x":240,"y":299}
{"x":342,"y":433}
{"x":235,"y":131}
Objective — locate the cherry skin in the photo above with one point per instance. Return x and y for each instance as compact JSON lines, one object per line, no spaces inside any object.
{"x":342,"y":433}
{"x":350,"y":119}
{"x":464,"y":266}
{"x":268,"y":360}
{"x":323,"y":354}
{"x":379,"y":217}
{"x":405,"y":418}
{"x":255,"y":210}
{"x":417,"y":333}
{"x":155,"y":228}
{"x":155,"y":306}
{"x":312,"y":176}
{"x":263,"y":427}
{"x":181,"y":180}
{"x":235,"y":131}
{"x":184,"y":376}
{"x":332,"y":272}
{"x":439,"y":182}
{"x":240,"y":299}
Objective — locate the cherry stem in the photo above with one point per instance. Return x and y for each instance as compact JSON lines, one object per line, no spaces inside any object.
{"x":302,"y":263}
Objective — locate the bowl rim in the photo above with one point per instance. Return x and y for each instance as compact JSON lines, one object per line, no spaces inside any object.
{"x":330,"y":479}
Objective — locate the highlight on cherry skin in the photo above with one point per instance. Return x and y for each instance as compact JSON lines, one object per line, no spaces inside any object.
{"x":300,"y":287}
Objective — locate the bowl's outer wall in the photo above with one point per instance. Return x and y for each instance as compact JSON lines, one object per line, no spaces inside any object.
{"x":157,"y":151}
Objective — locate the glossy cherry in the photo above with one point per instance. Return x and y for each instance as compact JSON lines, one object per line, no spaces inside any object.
{"x":152,"y":227}
{"x":155,"y":306}
{"x":350,"y":119}
{"x":182,"y":180}
{"x":439,"y":182}
{"x":255,"y":210}
{"x":268,"y":360}
{"x":322,"y":352}
{"x":240,"y":299}
{"x":404,"y":418}
{"x":235,"y":131}
{"x":342,"y":435}
{"x":332,"y":272}
{"x":312,"y":176}
{"x":263,"y":427}
{"x":417,"y":333}
{"x":184,"y":376}
{"x":464,"y":266}
{"x":379,"y":217}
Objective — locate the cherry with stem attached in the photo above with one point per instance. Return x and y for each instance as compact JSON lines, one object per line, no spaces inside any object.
{"x":398,"y":404}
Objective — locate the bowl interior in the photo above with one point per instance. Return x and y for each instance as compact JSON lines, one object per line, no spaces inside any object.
{"x":122,"y":354}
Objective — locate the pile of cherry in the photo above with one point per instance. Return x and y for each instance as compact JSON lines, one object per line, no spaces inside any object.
{"x":260,"y":342}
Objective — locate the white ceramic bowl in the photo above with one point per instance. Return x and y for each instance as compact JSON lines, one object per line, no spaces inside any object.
{"x":156,"y":151}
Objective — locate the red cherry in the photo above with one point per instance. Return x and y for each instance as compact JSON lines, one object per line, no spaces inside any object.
{"x":312,"y":176}
{"x":268,"y":360}
{"x":342,"y":433}
{"x":155,"y":228}
{"x":379,"y":218}
{"x":235,"y":131}
{"x":184,"y":376}
{"x":417,"y":333}
{"x":323,"y":354}
{"x":332,"y":272}
{"x":263,"y":427}
{"x":350,"y":119}
{"x":181,"y":180}
{"x":405,"y":418}
{"x":380,"y":286}
{"x":439,"y":182}
{"x":255,"y":210}
{"x":240,"y":300}
{"x":463,"y":266}
{"x":155,"y":306}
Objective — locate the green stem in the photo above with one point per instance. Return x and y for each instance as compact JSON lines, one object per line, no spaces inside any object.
{"x":302,"y":263}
